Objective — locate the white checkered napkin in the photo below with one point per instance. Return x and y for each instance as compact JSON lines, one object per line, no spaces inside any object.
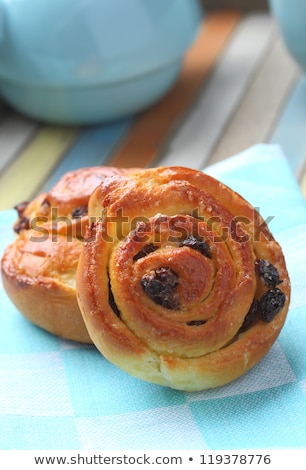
{"x":161,"y":428}
{"x":55,"y":394}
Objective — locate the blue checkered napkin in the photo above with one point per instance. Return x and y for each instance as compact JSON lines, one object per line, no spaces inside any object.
{"x":60,"y":395}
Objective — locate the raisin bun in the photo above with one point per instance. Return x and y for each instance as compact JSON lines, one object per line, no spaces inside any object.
{"x":180,"y":281}
{"x":39,"y":266}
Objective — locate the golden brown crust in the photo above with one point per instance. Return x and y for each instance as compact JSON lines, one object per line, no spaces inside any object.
{"x":39,"y":267}
{"x":167,"y":276}
{"x":39,"y":278}
{"x":64,"y":209}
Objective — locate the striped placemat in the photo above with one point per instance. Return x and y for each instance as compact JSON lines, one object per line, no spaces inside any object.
{"x":238,"y":86}
{"x":144,"y":143}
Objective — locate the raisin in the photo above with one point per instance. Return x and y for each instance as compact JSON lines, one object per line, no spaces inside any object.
{"x":267,"y":273}
{"x":21,"y":207}
{"x":112,"y":303}
{"x":22,"y":224}
{"x":140,"y":231}
{"x":145,"y":251}
{"x":196,"y":322}
{"x":272,"y":301}
{"x":250,"y":316}
{"x":197,"y":244}
{"x":79,"y":211}
{"x":160,"y":286}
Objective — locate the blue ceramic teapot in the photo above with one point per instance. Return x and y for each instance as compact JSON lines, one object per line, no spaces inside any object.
{"x":291,"y":17}
{"x":90,"y":61}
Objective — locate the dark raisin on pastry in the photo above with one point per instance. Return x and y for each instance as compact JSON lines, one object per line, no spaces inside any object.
{"x":112,"y":303}
{"x":250,"y":316}
{"x":22,"y":224}
{"x":198,"y":244}
{"x":20,"y":208}
{"x":160,"y":286}
{"x":196,"y":323}
{"x":272,"y":301}
{"x":146,"y":249}
{"x":79,"y":211}
{"x":267,"y":273}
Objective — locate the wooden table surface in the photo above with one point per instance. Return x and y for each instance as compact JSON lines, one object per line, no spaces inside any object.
{"x":238,"y":87}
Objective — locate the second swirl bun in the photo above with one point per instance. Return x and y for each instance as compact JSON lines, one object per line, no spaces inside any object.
{"x":39,"y":266}
{"x":180,"y":281}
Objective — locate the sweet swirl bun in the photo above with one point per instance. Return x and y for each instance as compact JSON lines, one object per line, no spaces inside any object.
{"x":39,"y":278}
{"x":39,"y":266}
{"x":64,"y":208}
{"x":180,"y":281}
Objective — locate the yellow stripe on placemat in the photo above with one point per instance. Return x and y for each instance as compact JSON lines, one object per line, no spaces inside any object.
{"x":144,"y":141}
{"x":26,"y":174}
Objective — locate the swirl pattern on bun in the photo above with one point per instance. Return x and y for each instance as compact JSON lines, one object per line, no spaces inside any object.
{"x":180,"y":281}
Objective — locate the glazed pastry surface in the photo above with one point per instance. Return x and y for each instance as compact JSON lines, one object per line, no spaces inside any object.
{"x":39,"y":277}
{"x":180,"y":281}
{"x":39,"y":266}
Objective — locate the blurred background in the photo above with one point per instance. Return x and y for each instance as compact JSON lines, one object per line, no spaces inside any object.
{"x":238,"y":86}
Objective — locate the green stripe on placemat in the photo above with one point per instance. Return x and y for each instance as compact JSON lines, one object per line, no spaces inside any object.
{"x":21,"y":180}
